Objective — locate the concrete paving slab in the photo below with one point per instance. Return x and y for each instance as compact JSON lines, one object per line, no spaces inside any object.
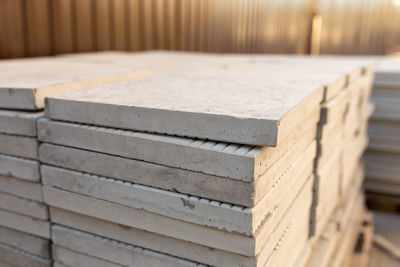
{"x":21,"y":168}
{"x":68,"y":257}
{"x":16,"y":257}
{"x":25,"y":83}
{"x":151,"y":222}
{"x":149,"y":240}
{"x":154,"y":175}
{"x":241,"y":162}
{"x":29,"y":243}
{"x":177,"y":180}
{"x":25,"y":224}
{"x":175,"y":205}
{"x":19,"y":122}
{"x":203,"y":105}
{"x":174,"y":228}
{"x":19,"y":146}
{"x":300,"y":206}
{"x":23,"y":206}
{"x":21,"y":188}
{"x":180,"y":206}
{"x":112,"y":250}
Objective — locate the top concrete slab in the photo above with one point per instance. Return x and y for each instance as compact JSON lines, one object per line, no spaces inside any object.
{"x":241,"y":103}
{"x":220,"y":105}
{"x":25,"y":83}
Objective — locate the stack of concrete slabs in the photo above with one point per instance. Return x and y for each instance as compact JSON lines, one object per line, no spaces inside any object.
{"x":383,"y":155}
{"x":218,"y":160}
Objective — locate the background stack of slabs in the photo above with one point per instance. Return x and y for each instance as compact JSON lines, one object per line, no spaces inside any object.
{"x":383,"y":155}
{"x":24,"y":218}
{"x":207,"y":167}
{"x":338,"y":209}
{"x":24,"y":84}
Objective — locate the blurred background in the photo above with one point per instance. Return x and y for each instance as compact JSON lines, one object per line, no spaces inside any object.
{"x":49,"y":27}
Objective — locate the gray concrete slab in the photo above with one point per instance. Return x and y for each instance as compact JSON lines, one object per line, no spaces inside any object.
{"x":151,"y":222}
{"x":149,"y":240}
{"x":21,"y":168}
{"x":19,"y":146}
{"x":181,"y":206}
{"x":68,"y":257}
{"x":113,"y":250}
{"x":223,"y":105}
{"x":187,"y":105}
{"x":241,"y":162}
{"x":25,"y":83}
{"x":26,"y":224}
{"x":16,"y":257}
{"x":176,"y":205}
{"x":21,"y":188}
{"x":178,"y":180}
{"x":23,"y":206}
{"x":206,"y":236}
{"x":26,"y":242}
{"x":299,"y":209}
{"x":19,"y":122}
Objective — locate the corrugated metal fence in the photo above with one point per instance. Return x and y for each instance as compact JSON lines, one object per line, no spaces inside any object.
{"x":47,"y":27}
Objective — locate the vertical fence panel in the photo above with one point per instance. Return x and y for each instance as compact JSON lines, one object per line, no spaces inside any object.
{"x":13,"y":35}
{"x":84,"y":28}
{"x":44,"y":27}
{"x":63,"y":32}
{"x":38,"y":27}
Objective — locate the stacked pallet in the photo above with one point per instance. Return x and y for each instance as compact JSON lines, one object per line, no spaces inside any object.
{"x":198,"y":167}
{"x":24,"y":84}
{"x":383,"y":156}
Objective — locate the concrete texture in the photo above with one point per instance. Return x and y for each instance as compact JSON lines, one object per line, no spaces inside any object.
{"x":112,"y":250}
{"x":23,"y":206}
{"x":69,"y":257}
{"x":19,"y":146}
{"x":19,"y":122}
{"x":25,"y":83}
{"x":175,"y":205}
{"x":206,"y":236}
{"x":16,"y":257}
{"x":188,"y":208}
{"x":19,"y":168}
{"x":240,"y":162}
{"x":21,"y":188}
{"x":204,"y":105}
{"x":149,"y":240}
{"x":40,"y":228}
{"x":26,"y":242}
{"x":177,"y":180}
